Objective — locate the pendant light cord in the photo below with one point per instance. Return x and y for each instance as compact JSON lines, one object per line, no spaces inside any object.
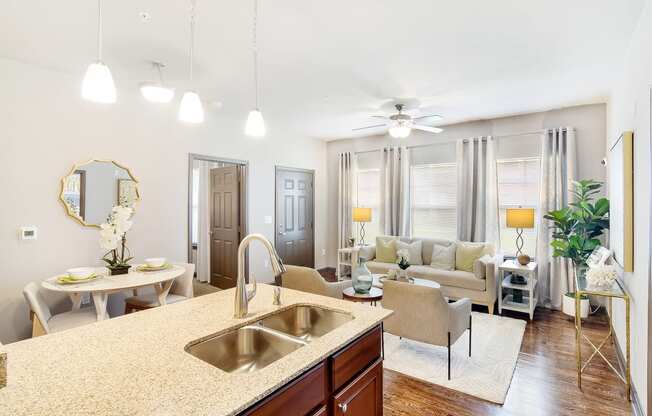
{"x":255,"y":51}
{"x":99,"y":30}
{"x":193,"y":3}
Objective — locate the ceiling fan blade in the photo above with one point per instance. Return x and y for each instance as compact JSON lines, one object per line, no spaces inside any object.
{"x":435,"y":116}
{"x":427,"y":128}
{"x":383,"y":117}
{"x":370,"y":127}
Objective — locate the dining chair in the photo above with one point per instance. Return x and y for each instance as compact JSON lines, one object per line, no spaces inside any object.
{"x":43,"y":321}
{"x":309,"y":280}
{"x":181,"y":290}
{"x":423,"y":314}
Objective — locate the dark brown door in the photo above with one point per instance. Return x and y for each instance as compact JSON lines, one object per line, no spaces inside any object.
{"x":225,"y":226}
{"x":294,"y":217}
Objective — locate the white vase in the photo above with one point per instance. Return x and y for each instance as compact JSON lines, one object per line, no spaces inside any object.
{"x":568,"y":306}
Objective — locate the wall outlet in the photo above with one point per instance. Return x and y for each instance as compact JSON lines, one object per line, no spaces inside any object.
{"x":268,"y":219}
{"x":266,"y":264}
{"x":323,"y":251}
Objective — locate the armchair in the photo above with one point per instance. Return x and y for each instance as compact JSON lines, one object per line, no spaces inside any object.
{"x":309,"y":280}
{"x":422,"y":314}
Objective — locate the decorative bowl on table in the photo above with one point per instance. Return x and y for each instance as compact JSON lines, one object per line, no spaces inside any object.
{"x":80,"y":273}
{"x":154,"y":262}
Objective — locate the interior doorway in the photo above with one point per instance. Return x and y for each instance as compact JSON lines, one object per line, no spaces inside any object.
{"x":295,"y":213}
{"x":217,"y":217}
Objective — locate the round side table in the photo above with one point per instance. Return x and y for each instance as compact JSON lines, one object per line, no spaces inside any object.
{"x":375,"y":294}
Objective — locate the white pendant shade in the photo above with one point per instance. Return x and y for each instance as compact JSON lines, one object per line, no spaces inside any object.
{"x":255,"y":124}
{"x":98,"y":84}
{"x":400,"y":131}
{"x":191,"y":109}
{"x":156,"y":93}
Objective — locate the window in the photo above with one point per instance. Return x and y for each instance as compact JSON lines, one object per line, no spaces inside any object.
{"x":433,"y":190}
{"x":518,"y":186}
{"x":368,"y":196}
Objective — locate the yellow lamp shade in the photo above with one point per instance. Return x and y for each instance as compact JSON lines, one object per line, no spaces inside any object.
{"x":362,"y":214}
{"x":520,"y":217}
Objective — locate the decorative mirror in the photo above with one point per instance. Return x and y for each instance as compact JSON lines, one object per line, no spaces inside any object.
{"x":93,"y":188}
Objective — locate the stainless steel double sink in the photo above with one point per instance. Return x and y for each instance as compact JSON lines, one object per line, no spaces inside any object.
{"x":255,"y":346}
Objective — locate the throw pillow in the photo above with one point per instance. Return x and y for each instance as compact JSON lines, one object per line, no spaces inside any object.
{"x":385,"y":250}
{"x":480,"y":266}
{"x":466,"y":253}
{"x":443,"y":257}
{"x":413,"y":249}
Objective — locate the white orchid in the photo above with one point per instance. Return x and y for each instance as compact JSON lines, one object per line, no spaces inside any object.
{"x":121,"y":216}
{"x":113,"y":235}
{"x":108,"y":237}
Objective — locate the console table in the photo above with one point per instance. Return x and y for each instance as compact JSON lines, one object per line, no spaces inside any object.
{"x":616,"y":290}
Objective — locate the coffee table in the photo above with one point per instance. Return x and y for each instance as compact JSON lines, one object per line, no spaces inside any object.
{"x":413,"y":280}
{"x":375,"y":294}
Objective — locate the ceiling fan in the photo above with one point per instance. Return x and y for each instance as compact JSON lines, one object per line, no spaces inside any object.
{"x":401,"y":125}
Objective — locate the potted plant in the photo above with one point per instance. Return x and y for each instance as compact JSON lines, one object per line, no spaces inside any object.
{"x":403,"y":262}
{"x":113,"y":237}
{"x":577,"y":229}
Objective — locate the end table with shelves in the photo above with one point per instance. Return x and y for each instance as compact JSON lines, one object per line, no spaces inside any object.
{"x":347,"y":257}
{"x":507,"y":300}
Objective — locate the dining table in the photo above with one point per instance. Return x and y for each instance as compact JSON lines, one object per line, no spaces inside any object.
{"x":106,"y":284}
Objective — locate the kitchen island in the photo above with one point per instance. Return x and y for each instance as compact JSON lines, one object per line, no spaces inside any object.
{"x":137,"y":364}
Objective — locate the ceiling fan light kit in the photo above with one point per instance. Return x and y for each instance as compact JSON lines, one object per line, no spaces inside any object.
{"x":157,"y":92}
{"x":401,"y":125}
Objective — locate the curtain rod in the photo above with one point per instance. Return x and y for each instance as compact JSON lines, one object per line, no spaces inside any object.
{"x":503,"y":136}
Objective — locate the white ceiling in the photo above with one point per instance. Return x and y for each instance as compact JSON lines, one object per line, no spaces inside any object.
{"x":327,"y":65}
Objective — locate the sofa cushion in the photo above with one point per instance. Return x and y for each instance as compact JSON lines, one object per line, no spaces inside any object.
{"x":466,"y":253}
{"x":367,"y":252}
{"x":413,"y":250}
{"x":380,"y":267}
{"x":451,"y":278}
{"x":426,"y":246}
{"x":443,"y":257}
{"x":480,"y":266}
{"x":386,"y":249}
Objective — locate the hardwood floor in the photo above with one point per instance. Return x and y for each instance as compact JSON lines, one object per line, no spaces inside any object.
{"x":544,"y":382}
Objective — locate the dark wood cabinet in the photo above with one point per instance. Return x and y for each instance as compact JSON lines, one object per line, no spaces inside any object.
{"x":363,"y":396}
{"x":348,"y":383}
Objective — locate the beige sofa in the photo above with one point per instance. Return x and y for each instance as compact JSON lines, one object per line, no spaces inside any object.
{"x":455,"y":284}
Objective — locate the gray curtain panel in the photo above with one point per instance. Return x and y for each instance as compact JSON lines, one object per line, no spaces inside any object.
{"x":345,"y":198}
{"x":558,"y":171}
{"x":477,"y":204}
{"x":395,"y":191}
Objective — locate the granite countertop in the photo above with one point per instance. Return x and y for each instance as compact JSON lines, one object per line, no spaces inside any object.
{"x":136,"y":364}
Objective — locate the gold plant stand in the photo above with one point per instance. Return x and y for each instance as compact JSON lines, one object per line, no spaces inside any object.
{"x":616,"y":290}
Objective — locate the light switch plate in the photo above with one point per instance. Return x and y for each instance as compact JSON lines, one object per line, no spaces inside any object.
{"x":28,"y":233}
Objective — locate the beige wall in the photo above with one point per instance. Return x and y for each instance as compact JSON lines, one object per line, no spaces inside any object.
{"x":45,"y":127}
{"x":629,"y":109}
{"x":588,"y":121}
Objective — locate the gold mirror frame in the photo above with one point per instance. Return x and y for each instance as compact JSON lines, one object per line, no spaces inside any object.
{"x":76,"y":167}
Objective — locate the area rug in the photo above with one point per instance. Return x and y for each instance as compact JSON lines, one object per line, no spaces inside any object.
{"x":487,"y":374}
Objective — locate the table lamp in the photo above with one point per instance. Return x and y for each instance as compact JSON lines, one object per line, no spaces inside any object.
{"x":362,"y":215}
{"x":520,"y":218}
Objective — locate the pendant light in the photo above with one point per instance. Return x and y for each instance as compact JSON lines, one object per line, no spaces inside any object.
{"x":98,"y":83}
{"x":191,"y":109}
{"x":157,"y":92}
{"x":255,"y":123}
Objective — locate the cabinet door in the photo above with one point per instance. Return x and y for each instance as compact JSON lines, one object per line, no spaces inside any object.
{"x":363,"y":396}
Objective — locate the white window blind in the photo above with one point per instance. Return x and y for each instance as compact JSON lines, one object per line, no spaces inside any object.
{"x":518,"y":186}
{"x":433,"y":191}
{"x":368,"y":196}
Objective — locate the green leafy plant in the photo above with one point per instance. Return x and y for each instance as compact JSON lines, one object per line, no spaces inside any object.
{"x":578,"y":227}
